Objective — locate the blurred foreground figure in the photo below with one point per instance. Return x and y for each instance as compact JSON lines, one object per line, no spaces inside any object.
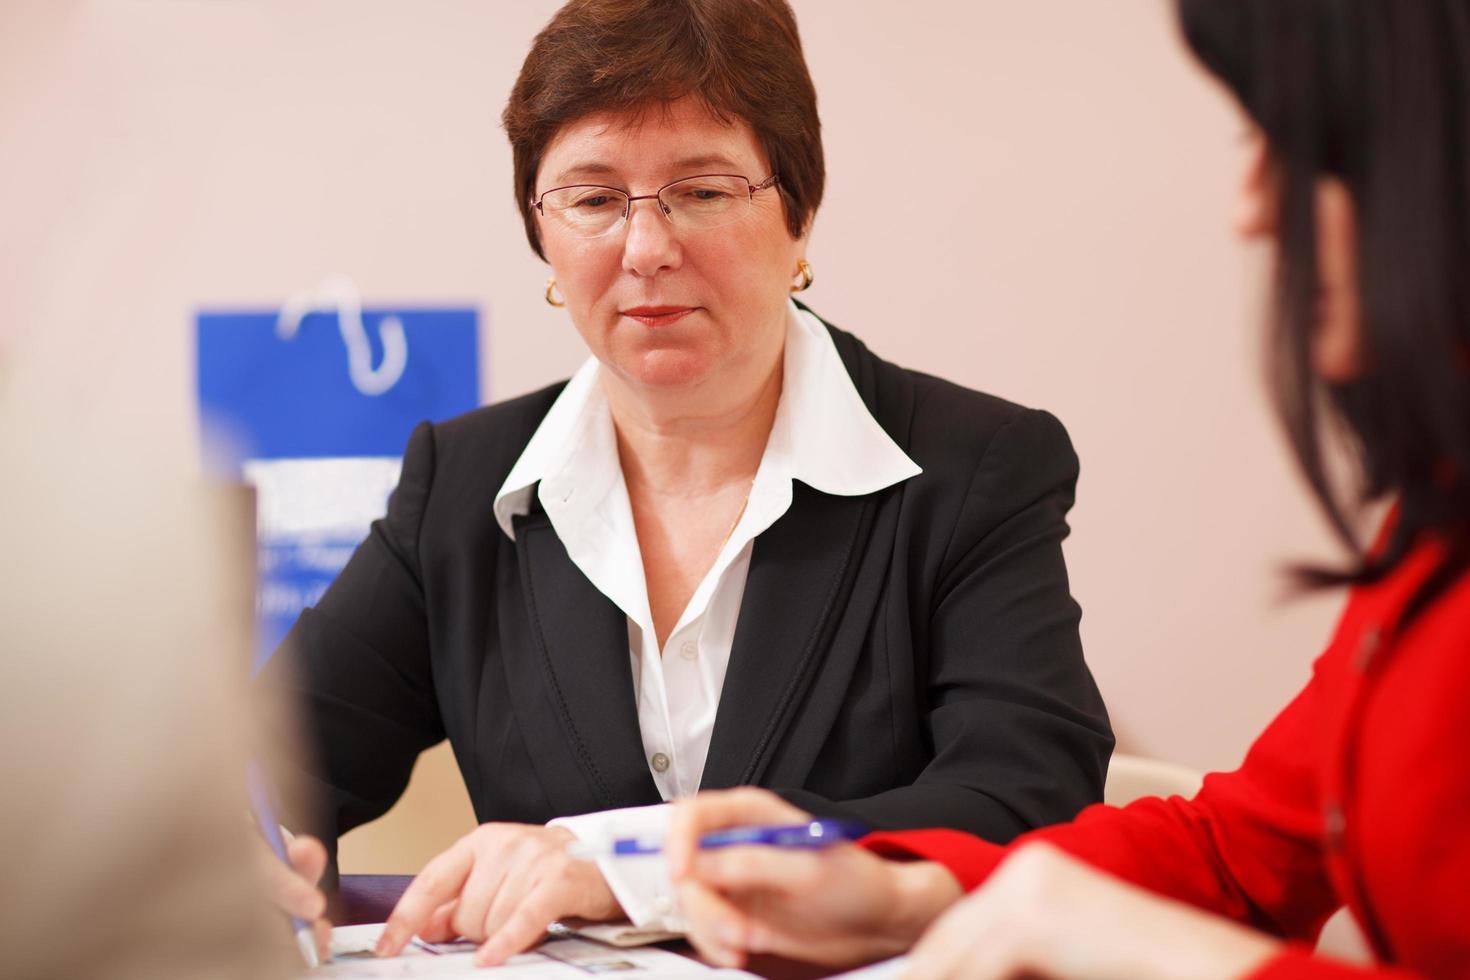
{"x":124,"y":839}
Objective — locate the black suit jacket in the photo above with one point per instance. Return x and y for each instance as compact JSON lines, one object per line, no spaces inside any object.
{"x":909,"y":658}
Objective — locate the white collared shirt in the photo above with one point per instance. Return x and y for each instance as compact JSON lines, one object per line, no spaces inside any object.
{"x":823,"y":435}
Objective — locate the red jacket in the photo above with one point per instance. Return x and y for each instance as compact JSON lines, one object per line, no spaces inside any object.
{"x":1358,"y":793}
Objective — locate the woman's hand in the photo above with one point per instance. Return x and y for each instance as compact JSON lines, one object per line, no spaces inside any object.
{"x":1044,"y":913}
{"x":294,"y":890}
{"x":500,"y":885}
{"x":839,"y":906}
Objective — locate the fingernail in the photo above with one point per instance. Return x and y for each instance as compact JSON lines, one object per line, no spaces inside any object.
{"x":730,"y":934}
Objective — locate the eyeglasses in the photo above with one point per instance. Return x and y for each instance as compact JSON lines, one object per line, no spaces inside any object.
{"x":691,"y":203}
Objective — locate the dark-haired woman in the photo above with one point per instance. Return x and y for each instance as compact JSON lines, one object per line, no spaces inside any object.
{"x":1358,"y":794}
{"x":735,"y":548}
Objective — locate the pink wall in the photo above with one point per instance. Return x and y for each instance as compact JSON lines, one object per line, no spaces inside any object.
{"x":1027,"y":198}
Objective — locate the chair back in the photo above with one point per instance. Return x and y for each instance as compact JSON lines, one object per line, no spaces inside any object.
{"x":1133,"y":776}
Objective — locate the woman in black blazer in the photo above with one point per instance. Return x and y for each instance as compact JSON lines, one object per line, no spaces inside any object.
{"x":852,"y":586}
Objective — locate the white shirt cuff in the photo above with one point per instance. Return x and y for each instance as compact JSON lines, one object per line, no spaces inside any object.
{"x":640,"y":884}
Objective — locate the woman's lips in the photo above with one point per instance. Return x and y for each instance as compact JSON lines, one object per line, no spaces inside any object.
{"x":658,"y":316}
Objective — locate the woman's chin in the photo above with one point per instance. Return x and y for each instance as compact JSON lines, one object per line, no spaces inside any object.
{"x":669,"y":370}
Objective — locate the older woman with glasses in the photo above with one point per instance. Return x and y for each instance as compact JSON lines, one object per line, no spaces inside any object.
{"x":736,"y":548}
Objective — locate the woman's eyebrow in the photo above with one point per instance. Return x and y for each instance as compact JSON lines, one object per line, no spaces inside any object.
{"x":704,"y":161}
{"x":685,"y":166}
{"x":582,"y":170}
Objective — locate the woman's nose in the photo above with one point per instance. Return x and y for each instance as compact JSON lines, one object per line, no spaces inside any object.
{"x":651,"y":245}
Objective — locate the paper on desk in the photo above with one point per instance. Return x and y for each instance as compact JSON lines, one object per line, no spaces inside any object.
{"x":612,"y":933}
{"x":557,"y":959}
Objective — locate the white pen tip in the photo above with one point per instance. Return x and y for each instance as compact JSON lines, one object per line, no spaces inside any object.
{"x":306,"y":942}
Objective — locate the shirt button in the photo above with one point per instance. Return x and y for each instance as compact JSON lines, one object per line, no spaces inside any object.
{"x":689,"y":650}
{"x":663,"y":904}
{"x":660,"y":762}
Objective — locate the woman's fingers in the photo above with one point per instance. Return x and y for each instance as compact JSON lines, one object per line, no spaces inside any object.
{"x":716,"y":927}
{"x":717,"y":810}
{"x":766,"y":869}
{"x":484,"y":885}
{"x":321,"y":930}
{"x":524,"y":926}
{"x":973,"y":946}
{"x":500,"y":885}
{"x":514,"y":890}
{"x":308,"y":856}
{"x":290,"y":892}
{"x":935,"y":955}
{"x":441,"y":927}
{"x":441,"y":880}
{"x":542,"y":883}
{"x":293,"y":887}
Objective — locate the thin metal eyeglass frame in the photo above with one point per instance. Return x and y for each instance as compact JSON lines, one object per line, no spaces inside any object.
{"x":769,"y":182}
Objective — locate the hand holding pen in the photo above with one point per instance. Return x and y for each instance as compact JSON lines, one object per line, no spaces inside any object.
{"x":809,"y":834}
{"x":833,"y":903}
{"x":292,"y":870}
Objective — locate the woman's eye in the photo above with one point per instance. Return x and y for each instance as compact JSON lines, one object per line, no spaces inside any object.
{"x":595,"y":201}
{"x":706,"y":194}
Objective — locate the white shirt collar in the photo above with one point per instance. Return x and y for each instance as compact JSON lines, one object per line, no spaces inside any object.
{"x":823,"y":435}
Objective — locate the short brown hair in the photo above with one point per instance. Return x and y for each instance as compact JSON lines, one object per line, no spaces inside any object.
{"x":742,"y":58}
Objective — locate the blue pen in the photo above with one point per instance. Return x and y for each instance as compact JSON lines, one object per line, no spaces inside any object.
{"x":265,"y":817}
{"x":811,"y":835}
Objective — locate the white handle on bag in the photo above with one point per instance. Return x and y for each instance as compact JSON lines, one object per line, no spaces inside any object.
{"x":338,"y":294}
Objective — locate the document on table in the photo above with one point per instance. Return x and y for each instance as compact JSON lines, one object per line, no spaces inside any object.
{"x":556,"y":959}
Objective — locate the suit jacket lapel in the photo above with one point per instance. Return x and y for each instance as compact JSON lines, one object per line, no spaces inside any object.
{"x":566,"y":649}
{"x":578,"y":643}
{"x":803,"y":575}
{"x":800,"y":578}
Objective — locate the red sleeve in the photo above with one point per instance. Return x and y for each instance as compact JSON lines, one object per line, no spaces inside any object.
{"x":967,"y":857}
{"x":1247,"y":847}
{"x":1299,"y":963}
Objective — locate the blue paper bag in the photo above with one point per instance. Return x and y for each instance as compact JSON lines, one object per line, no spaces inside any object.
{"x":313,"y":408}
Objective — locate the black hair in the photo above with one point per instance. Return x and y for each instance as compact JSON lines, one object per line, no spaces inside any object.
{"x":1376,"y":93}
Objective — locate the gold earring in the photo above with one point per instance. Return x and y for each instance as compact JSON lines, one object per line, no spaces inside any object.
{"x":551,"y":296}
{"x":805,"y":269}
